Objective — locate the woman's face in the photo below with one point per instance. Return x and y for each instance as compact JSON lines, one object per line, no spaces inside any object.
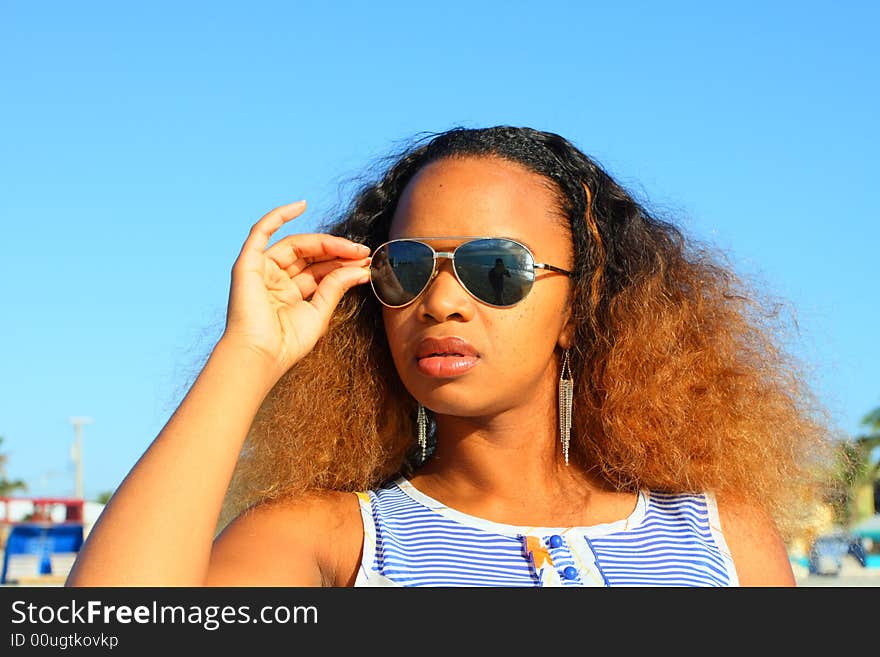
{"x":515,"y":345}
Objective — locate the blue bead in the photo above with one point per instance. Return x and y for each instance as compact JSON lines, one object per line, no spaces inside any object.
{"x":555,"y":541}
{"x":570,"y":572}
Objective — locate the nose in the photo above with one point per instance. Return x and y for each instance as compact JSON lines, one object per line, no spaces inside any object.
{"x":445,"y":298}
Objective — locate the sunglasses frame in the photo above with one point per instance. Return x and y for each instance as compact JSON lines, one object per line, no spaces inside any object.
{"x":450,"y":255}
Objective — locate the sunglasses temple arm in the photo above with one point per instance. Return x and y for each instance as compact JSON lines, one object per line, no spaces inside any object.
{"x":541,"y":265}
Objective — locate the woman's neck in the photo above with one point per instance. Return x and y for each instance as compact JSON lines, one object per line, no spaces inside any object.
{"x":509,"y":467}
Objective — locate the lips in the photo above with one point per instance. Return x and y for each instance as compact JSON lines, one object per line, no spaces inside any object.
{"x":445,"y":357}
{"x":451,"y":346}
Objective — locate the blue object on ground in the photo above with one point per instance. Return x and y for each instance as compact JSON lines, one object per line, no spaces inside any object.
{"x":828,"y":551}
{"x":42,"y":541}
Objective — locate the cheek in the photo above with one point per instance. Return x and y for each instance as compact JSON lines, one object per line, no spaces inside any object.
{"x":517,"y":340}
{"x":395,"y":332}
{"x":531,"y":337}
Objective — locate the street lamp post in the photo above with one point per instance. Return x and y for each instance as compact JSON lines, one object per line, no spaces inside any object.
{"x":76,"y":452}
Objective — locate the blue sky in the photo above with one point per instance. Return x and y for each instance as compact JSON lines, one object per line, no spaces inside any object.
{"x":139,"y":144}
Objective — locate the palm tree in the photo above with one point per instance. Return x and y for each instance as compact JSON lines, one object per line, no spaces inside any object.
{"x":856,"y":473}
{"x":868,"y":444}
{"x":7,"y":487}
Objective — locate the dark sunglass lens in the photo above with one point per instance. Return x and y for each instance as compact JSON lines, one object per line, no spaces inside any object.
{"x":400,"y":270}
{"x":499,"y":272}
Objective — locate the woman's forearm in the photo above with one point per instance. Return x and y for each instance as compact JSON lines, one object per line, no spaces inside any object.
{"x":158,"y":528}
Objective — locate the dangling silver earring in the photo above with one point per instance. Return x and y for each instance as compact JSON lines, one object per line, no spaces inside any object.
{"x":566,"y":398}
{"x":423,"y":431}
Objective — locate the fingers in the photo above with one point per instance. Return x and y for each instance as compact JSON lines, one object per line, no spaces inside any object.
{"x":333,"y":286}
{"x":308,"y":280}
{"x":296,"y":252}
{"x":261,"y":232}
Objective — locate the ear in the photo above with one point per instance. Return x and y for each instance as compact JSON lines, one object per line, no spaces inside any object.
{"x":566,"y":335}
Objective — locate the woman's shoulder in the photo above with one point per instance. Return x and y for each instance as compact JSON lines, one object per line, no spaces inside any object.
{"x":312,"y":540}
{"x":755,"y":543}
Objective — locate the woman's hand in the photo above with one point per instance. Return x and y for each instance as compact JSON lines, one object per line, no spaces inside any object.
{"x":282,"y":297}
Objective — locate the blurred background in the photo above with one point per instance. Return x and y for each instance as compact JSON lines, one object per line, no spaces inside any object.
{"x":139,"y":144}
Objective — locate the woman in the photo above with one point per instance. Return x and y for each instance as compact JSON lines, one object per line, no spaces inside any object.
{"x":620,"y":415}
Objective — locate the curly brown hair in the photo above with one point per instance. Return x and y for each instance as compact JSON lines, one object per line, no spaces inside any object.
{"x":682,"y":381}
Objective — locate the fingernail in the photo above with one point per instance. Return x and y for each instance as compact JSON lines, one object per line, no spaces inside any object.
{"x":364,"y":248}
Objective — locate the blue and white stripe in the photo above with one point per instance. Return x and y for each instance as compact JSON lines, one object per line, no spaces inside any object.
{"x":411,"y":539}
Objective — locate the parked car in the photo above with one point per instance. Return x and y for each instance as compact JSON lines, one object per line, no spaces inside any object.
{"x":828,"y":552}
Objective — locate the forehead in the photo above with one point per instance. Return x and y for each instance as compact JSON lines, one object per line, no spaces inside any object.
{"x":479,"y":197}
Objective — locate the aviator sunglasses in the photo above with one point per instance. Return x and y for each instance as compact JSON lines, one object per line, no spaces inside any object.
{"x":498,"y":271}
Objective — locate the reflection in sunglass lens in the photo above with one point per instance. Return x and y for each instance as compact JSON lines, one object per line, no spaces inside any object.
{"x":400,"y":270}
{"x":497,"y":271}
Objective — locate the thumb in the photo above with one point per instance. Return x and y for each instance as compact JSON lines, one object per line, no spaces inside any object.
{"x":335,"y":284}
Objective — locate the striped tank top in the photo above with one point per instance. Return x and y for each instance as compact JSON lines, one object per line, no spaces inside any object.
{"x":411,"y":539}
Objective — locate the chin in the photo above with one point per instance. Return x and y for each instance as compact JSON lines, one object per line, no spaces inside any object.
{"x":458,"y":401}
